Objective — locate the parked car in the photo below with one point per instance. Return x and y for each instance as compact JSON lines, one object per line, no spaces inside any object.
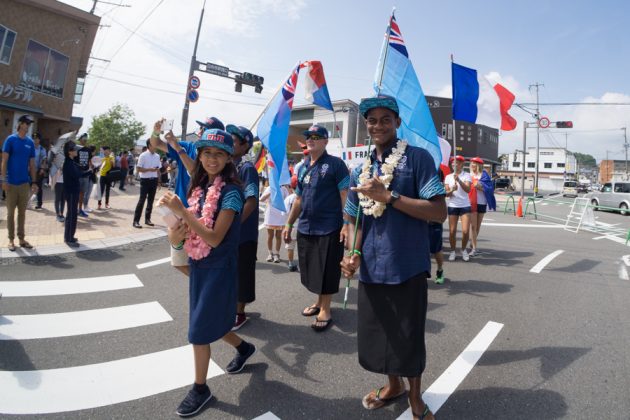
{"x":582,"y":188}
{"x":570,"y":189}
{"x":614,"y":195}
{"x":503,"y":183}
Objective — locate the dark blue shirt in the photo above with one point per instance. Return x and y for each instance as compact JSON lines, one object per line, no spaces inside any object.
{"x":20,"y":151}
{"x":319,"y":186}
{"x":395,"y":246}
{"x":248,"y":175}
{"x":71,"y":174}
{"x":183,"y":179}
{"x":226,"y":253}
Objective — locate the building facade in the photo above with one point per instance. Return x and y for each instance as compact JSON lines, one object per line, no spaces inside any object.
{"x":45,"y":46}
{"x":613,"y":170}
{"x":556,"y":166}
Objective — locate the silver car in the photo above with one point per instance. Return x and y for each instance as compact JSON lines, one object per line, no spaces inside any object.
{"x":615,"y":195}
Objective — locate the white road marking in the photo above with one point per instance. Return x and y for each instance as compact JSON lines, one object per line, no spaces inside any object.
{"x":623,"y":272}
{"x":98,"y":385}
{"x":436,"y":395}
{"x":524,"y":225}
{"x":29,"y":327}
{"x":68,"y":287}
{"x":626,"y":260}
{"x":261,"y":226}
{"x":543,"y":263}
{"x":267,"y":416}
{"x":612,"y":238}
{"x":153,"y":263}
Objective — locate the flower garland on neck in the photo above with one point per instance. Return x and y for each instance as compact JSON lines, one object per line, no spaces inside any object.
{"x":195,"y":246}
{"x":376,"y":208}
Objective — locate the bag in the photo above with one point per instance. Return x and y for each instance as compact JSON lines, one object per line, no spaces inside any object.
{"x":114,"y":175}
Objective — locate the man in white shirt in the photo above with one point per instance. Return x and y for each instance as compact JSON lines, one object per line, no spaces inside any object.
{"x":149,"y":168}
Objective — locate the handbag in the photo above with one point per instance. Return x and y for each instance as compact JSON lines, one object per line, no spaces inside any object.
{"x":114,"y":175}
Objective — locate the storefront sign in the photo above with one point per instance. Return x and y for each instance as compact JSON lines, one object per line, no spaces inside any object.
{"x":18,"y":93}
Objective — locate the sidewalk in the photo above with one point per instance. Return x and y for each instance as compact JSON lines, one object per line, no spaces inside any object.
{"x":102,"y":229}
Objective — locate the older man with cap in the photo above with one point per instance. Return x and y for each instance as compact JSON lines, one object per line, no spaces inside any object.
{"x":184,"y":153}
{"x":248,"y":243}
{"x":19,"y":173}
{"x":321,"y":193}
{"x":395,"y":193}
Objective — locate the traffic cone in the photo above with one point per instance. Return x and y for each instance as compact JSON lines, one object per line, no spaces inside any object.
{"x":519,"y":209}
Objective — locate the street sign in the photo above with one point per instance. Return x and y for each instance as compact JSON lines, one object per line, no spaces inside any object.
{"x":544,"y":122}
{"x":194,"y":82}
{"x":217,"y":70}
{"x":193,"y":95}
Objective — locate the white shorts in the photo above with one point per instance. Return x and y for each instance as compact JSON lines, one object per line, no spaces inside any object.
{"x":179,"y":257}
{"x":291,"y":246}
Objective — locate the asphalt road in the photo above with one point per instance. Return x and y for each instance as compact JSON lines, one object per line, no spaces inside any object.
{"x":562,"y":351}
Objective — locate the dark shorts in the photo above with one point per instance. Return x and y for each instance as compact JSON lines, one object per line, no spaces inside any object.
{"x":482,"y":208}
{"x":390,"y":327}
{"x":435,"y":237}
{"x":319,"y":259}
{"x":458,"y":211}
{"x":247,"y":271}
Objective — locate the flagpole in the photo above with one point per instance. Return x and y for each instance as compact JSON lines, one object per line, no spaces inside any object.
{"x":337,"y":128}
{"x":452,"y":103}
{"x":358,"y":214}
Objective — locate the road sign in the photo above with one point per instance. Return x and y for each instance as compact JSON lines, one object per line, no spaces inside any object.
{"x":194,"y":82}
{"x":544,"y":122}
{"x":193,"y":95}
{"x":217,"y":70}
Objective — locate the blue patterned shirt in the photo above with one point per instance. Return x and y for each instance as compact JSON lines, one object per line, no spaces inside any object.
{"x":249,"y":177}
{"x":395,"y":246}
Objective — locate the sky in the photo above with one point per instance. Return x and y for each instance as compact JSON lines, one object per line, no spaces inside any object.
{"x":577,"y":49}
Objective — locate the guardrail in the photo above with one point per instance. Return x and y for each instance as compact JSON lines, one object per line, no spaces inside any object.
{"x":533,"y":201}
{"x":505,"y":208}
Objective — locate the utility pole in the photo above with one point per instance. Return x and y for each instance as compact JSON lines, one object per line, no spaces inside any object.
{"x":625,"y":146}
{"x":537,"y":86}
{"x":193,"y":65}
{"x":566,"y":154}
{"x":525,"y":125}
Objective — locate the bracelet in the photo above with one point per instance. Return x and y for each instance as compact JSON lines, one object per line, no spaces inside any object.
{"x":178,"y":247}
{"x":289,"y":225}
{"x":355,"y":251}
{"x":345,"y":222}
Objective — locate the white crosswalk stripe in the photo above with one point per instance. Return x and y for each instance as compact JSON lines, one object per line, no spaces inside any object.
{"x":69,"y":286}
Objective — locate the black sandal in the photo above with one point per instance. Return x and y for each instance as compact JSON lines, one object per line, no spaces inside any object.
{"x":311,"y":311}
{"x":424,"y":414}
{"x":320,"y":328}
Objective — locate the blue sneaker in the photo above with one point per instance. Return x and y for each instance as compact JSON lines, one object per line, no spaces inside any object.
{"x":82,"y":213}
{"x":237,"y":364}
{"x":193,"y":403}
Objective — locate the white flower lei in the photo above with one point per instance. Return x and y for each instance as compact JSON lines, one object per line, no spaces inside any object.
{"x":376,"y":208}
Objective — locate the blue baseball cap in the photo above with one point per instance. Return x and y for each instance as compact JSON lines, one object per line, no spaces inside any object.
{"x":212,"y":122}
{"x":216,"y":138}
{"x":380,"y":101}
{"x":316,"y":130}
{"x":242,"y":133}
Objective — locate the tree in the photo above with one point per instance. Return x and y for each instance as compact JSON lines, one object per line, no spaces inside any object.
{"x":585,"y":160}
{"x":116,"y":128}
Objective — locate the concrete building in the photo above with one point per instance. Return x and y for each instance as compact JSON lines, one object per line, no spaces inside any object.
{"x":613,"y":170}
{"x":44,"y":50}
{"x":556,"y":165}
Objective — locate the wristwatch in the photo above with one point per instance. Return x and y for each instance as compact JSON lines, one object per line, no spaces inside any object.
{"x":394,"y":196}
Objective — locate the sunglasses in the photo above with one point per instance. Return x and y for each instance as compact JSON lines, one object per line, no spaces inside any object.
{"x":316,"y":138}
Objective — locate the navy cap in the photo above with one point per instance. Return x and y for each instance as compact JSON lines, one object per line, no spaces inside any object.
{"x":216,"y":138}
{"x":380,"y":101}
{"x":25,"y":119}
{"x":212,"y":122}
{"x":242,"y":133}
{"x":316,"y":130}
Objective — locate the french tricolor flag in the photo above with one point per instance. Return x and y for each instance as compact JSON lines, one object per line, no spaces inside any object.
{"x":478,"y":101}
{"x":316,"y":89}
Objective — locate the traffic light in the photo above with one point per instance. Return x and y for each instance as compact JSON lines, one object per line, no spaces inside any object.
{"x":564,"y":124}
{"x":251,"y":80}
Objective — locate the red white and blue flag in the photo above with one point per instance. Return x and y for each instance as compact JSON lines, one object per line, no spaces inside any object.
{"x":316,"y":89}
{"x":395,"y":37}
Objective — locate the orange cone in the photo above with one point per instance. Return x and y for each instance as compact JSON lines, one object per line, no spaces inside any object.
{"x":519,"y":209}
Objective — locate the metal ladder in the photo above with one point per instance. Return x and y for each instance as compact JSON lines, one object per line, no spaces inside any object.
{"x":574,"y":219}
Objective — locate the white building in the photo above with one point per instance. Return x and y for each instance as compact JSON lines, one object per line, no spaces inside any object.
{"x":556,"y":165}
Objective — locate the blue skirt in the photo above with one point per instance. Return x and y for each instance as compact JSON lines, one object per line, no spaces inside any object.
{"x":213,"y":296}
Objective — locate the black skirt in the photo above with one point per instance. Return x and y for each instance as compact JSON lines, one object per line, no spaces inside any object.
{"x":390,"y":331}
{"x":319,"y":259}
{"x":247,"y":271}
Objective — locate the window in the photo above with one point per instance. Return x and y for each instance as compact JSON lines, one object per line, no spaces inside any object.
{"x":607,"y":187}
{"x":7,"y":39}
{"x":44,"y":70}
{"x":546,"y":153}
{"x":622,"y":187}
{"x":78,"y":93}
{"x":560,"y":165}
{"x":547,"y":165}
{"x":531,"y":164}
{"x":516,"y":164}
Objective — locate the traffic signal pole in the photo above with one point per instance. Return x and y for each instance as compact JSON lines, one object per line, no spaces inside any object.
{"x":537,"y":86}
{"x":193,"y":65}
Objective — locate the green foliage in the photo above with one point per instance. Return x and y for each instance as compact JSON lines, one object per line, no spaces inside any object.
{"x":585,"y":160}
{"x":116,"y":128}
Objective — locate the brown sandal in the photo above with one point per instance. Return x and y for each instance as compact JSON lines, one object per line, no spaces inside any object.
{"x":25,"y":244}
{"x":12,"y":247}
{"x":424,"y":414}
{"x":373,"y":400}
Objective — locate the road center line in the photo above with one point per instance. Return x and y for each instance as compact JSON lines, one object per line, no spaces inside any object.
{"x":68,"y":287}
{"x":543,"y":263}
{"x":152,"y":263}
{"x":97,"y":385}
{"x":29,"y":327}
{"x":267,"y":416}
{"x":436,"y":395}
{"x":524,"y":225}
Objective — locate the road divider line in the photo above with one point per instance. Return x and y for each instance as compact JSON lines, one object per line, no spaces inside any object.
{"x":543,"y":263}
{"x":29,"y":327}
{"x":153,"y":263}
{"x":524,"y":225}
{"x":98,"y":385}
{"x":436,"y":395}
{"x":68,"y":287}
{"x":267,"y":416}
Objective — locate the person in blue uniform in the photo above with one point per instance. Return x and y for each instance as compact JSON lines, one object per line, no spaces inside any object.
{"x":248,"y":244}
{"x":392,"y":251}
{"x":321,"y":193}
{"x":210,"y":232}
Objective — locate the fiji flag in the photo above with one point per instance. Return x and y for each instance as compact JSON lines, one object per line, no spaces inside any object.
{"x":316,"y":89}
{"x":396,"y":77}
{"x":273,"y":130}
